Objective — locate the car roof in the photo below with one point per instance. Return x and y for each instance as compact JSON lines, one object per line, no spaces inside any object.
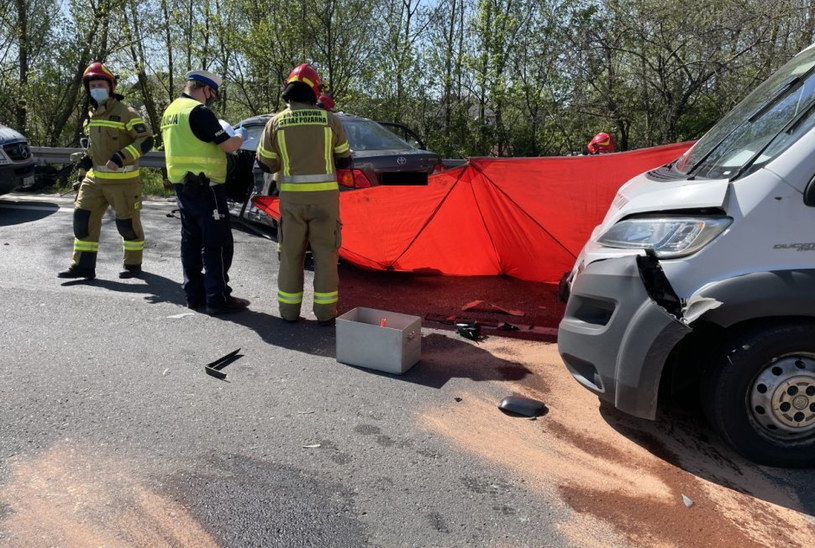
{"x":348,"y":120}
{"x":9,"y":135}
{"x":263,"y":118}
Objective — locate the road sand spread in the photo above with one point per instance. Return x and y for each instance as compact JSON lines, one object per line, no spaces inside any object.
{"x":69,"y":497}
{"x":632,"y":483}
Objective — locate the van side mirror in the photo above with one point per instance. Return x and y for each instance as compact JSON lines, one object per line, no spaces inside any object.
{"x":809,"y":193}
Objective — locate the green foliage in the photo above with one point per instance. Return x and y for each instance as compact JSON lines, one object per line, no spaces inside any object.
{"x":152,"y":181}
{"x":473,"y":77}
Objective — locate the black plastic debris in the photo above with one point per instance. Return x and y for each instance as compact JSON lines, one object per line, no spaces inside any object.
{"x":214,"y":373}
{"x":213,"y":369}
{"x":519,"y":405}
{"x":469,"y":330}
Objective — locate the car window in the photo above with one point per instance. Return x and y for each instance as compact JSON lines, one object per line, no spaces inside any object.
{"x":404,"y":133}
{"x":254,"y":136}
{"x":362,"y":135}
{"x":775,"y":115}
{"x":368,"y":135}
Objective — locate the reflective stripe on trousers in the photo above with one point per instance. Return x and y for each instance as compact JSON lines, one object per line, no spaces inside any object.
{"x":85,"y":245}
{"x":289,"y":298}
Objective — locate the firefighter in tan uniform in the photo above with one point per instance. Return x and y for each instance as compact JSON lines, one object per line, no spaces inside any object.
{"x":118,"y":137}
{"x":303,"y":143}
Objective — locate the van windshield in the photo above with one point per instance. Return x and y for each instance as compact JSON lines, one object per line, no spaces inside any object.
{"x":763,"y":125}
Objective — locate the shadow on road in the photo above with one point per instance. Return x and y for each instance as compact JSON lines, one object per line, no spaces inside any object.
{"x":443,"y":358}
{"x":681,"y":437}
{"x":156,"y":289}
{"x":15,"y":213}
{"x":434,"y":298}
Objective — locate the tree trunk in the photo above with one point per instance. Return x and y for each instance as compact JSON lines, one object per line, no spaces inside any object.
{"x":21,"y":109}
{"x":169,"y":47}
{"x":137,"y":54}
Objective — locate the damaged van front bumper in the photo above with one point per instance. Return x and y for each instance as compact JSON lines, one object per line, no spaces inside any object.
{"x":621,"y":323}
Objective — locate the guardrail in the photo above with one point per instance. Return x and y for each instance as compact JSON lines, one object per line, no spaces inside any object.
{"x":154,"y":158}
{"x":62,"y":155}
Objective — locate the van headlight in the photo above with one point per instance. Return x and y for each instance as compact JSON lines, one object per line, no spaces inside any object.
{"x":669,"y":237}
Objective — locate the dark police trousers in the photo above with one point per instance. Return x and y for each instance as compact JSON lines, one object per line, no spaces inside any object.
{"x":206,"y":244}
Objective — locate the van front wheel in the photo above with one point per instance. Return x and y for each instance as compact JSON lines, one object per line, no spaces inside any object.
{"x":759,"y":394}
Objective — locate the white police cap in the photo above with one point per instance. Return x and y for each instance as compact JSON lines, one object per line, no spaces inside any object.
{"x":212,"y":80}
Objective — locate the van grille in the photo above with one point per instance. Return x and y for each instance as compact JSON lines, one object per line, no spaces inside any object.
{"x":17,"y":151}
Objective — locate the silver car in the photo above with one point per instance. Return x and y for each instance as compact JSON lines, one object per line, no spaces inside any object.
{"x":379,"y":157}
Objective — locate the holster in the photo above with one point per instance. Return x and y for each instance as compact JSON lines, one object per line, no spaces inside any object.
{"x":195,"y":186}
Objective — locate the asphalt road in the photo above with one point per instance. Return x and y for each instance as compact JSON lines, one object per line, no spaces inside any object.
{"x":112,"y":434}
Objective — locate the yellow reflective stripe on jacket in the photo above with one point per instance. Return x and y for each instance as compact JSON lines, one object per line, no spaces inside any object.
{"x":329,"y":157}
{"x":266,"y":153}
{"x":308,"y":187}
{"x":326,"y":298}
{"x":281,"y":144}
{"x":107,"y":123}
{"x":289,"y":298}
{"x":106,"y":169}
{"x":113,"y":175}
{"x":134,"y":122}
{"x":85,"y":245}
{"x":340,"y":149}
{"x":131,"y":245}
{"x":197,"y":159}
{"x":133,"y":151}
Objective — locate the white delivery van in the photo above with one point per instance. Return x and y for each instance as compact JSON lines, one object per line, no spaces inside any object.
{"x":703,"y":272}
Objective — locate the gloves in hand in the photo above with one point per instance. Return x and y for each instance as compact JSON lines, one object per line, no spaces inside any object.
{"x":118,"y":159}
{"x":243,"y":132}
{"x":85,"y":163}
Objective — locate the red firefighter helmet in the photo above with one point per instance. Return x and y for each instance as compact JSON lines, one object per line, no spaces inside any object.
{"x":98,"y":71}
{"x":326,"y":102}
{"x":602,"y":142}
{"x":307,"y":75}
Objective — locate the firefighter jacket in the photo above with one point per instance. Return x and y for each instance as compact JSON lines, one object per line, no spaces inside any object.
{"x":184,"y":151}
{"x":301,"y":143}
{"x":116,"y":132}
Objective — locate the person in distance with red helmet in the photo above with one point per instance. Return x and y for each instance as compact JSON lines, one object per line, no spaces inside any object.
{"x":601,"y":143}
{"x":117,"y":137}
{"x":306,"y":144}
{"x":326,"y":102}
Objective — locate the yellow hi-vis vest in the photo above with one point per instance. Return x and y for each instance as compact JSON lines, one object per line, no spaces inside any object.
{"x":184,"y":151}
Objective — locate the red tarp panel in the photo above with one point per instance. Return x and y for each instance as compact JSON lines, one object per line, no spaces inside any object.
{"x":521,"y":217}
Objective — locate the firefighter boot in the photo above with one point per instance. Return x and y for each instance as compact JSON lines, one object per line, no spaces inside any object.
{"x":131,"y":271}
{"x":76,"y":271}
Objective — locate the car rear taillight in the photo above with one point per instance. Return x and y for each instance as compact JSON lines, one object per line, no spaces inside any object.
{"x":353,"y":178}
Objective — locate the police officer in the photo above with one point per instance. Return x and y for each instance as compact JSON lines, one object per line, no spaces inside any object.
{"x":118,"y":137}
{"x":196,"y":146}
{"x":303,"y":143}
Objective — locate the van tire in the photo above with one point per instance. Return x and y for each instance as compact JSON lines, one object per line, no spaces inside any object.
{"x":760,"y":382}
